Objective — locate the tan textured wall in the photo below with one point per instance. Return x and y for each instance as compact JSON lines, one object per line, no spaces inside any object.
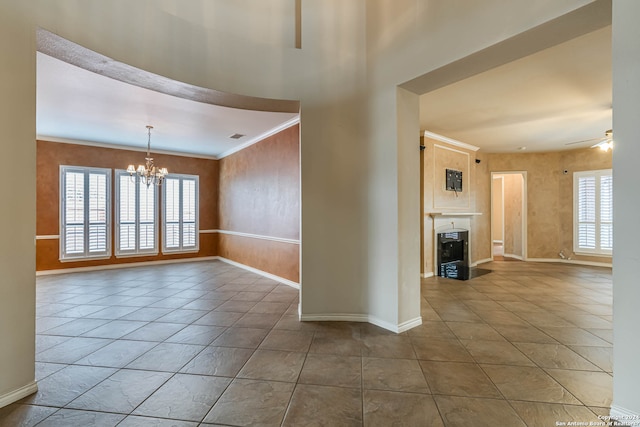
{"x":50,"y":155}
{"x":278,"y":258}
{"x":444,"y":157}
{"x":260,"y":194}
{"x":481,"y":246}
{"x":475,"y":196}
{"x":497,"y":209}
{"x":550,"y":196}
{"x":578,"y":160}
{"x":513,"y":197}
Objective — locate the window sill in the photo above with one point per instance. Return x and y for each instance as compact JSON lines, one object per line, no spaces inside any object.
{"x":178,"y":251}
{"x":594,"y":254}
{"x":138,"y":254}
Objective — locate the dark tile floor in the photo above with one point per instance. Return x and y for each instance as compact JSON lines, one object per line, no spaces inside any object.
{"x":205,"y":343}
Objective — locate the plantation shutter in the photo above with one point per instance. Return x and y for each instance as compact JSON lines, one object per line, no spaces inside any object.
{"x":180,"y":201}
{"x":126,"y":200}
{"x":98,"y":213}
{"x":587,"y":212}
{"x":188,"y":213}
{"x":84,"y":212}
{"x":136,"y":221}
{"x":606,"y":212}
{"x":147,"y":217}
{"x":73,"y":224}
{"x":593,"y":229}
{"x":172,"y":213}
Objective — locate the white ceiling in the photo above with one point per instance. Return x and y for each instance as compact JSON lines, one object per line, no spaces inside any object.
{"x":542,"y":102}
{"x":79,"y":105}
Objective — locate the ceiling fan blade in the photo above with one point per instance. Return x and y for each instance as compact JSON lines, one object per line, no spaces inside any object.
{"x":604,"y":142}
{"x":597,"y":140}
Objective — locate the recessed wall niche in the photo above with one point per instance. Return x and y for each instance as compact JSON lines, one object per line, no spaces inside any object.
{"x":449,"y":158}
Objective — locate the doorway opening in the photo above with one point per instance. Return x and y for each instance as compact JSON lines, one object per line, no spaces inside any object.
{"x":509,"y":215}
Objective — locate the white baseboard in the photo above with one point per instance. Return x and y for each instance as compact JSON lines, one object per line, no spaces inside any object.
{"x":168,"y":261}
{"x":363,"y":318}
{"x":571,"y":261}
{"x":262,"y":273}
{"x":409,"y":324}
{"x":123,"y":265}
{"x":514,"y":256}
{"x":384,"y":324}
{"x":15,"y":395}
{"x":498,"y":242}
{"x":624,"y":416}
{"x":334,"y":317}
{"x":475,"y":264}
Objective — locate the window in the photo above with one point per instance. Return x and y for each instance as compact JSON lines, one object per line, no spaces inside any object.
{"x":85,"y":228}
{"x":180,"y":213}
{"x":593,"y":212}
{"x":136,"y":216}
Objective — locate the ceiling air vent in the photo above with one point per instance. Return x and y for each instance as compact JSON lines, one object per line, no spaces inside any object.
{"x":236,"y":136}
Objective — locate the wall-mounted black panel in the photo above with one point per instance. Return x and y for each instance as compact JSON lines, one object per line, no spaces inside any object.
{"x":454,"y":180}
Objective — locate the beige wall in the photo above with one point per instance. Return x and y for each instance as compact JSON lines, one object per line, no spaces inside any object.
{"x":474,"y":197}
{"x":445,"y":157}
{"x":549,"y":201}
{"x":550,"y":196}
{"x":481,"y":246}
{"x":18,"y":206}
{"x":576,"y":161}
{"x":513,"y":212}
{"x":626,"y":233}
{"x":497,"y":208}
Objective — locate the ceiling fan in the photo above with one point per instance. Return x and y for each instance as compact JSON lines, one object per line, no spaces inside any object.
{"x":604,"y":144}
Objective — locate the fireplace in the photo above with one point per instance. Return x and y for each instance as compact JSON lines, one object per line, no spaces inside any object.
{"x":453,"y":254}
{"x":452,"y":247}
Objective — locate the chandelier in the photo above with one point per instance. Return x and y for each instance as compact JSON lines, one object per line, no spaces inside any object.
{"x":148,"y":173}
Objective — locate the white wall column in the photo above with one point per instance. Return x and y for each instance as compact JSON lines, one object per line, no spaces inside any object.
{"x":409,"y":213}
{"x":18,"y":201}
{"x":626,"y":203}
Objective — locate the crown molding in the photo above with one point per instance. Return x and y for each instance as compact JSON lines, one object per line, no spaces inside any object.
{"x":122,"y":147}
{"x":289,"y":123}
{"x":286,"y":125}
{"x":450,"y":141}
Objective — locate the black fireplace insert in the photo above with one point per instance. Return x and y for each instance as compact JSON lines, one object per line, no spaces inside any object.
{"x":453,"y":255}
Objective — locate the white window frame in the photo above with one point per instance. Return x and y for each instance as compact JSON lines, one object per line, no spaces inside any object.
{"x":598,"y":250}
{"x":181,"y":248}
{"x":120,"y":253}
{"x":86,"y":255}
